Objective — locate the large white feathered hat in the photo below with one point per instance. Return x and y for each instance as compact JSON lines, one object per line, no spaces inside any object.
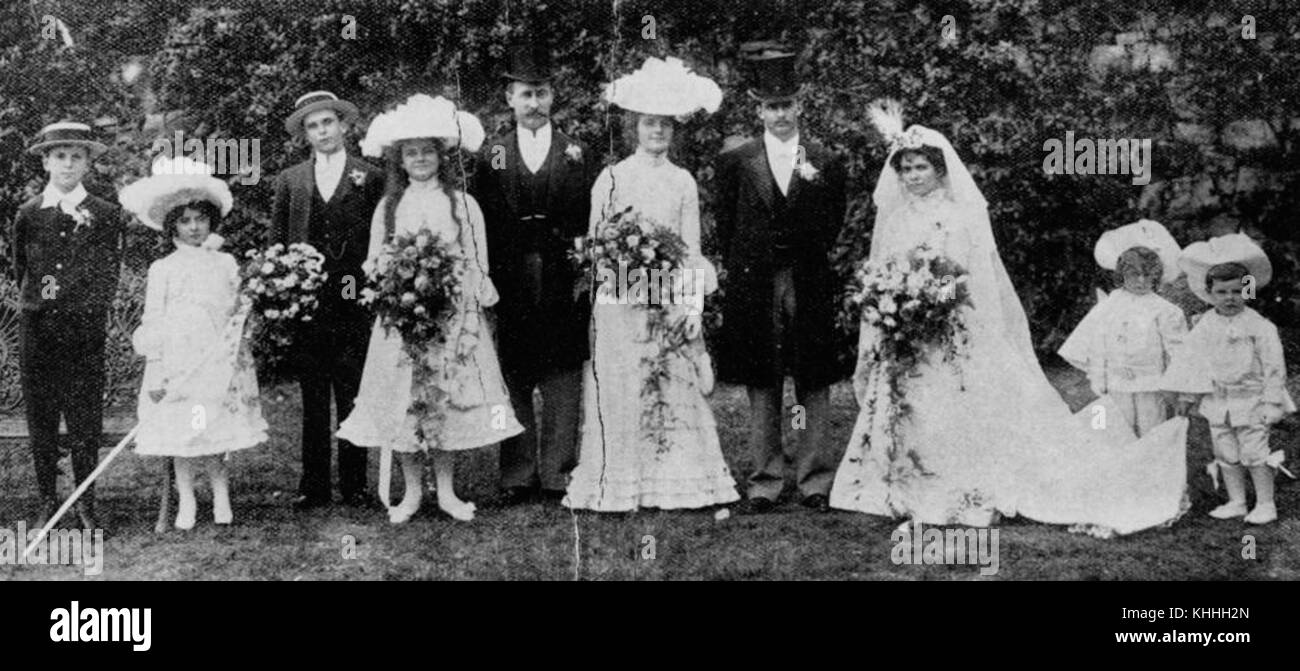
{"x":1141,"y":233}
{"x":175,"y":181}
{"x":1199,"y":257}
{"x":423,"y":116}
{"x":664,"y":87}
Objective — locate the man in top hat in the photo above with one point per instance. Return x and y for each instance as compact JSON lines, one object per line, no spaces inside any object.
{"x":534,"y":185}
{"x":67,"y":249}
{"x":327,"y":201}
{"x":780,"y":207}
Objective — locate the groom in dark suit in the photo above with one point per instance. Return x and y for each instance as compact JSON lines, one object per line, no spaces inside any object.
{"x":327,"y":201}
{"x":780,"y":208}
{"x":534,"y":186}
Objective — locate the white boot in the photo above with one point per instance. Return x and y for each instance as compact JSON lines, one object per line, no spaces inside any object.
{"x":220,"y":476}
{"x":412,"y":475}
{"x":1234,"y":480}
{"x":444,"y":467}
{"x":185,"y":508}
{"x":1265,"y":510}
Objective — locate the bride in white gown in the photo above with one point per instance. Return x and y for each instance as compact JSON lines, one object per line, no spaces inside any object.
{"x":987,"y":434}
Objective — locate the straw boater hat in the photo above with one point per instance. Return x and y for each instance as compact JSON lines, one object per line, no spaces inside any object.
{"x":314,"y":102}
{"x":423,"y":116}
{"x":1142,"y":233}
{"x":175,"y":181}
{"x":1199,"y":257}
{"x":66,"y":133}
{"x":664,"y":87}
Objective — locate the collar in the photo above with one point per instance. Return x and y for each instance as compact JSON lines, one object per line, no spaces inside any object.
{"x":338,"y":158}
{"x":431,"y":185}
{"x":542,"y":134}
{"x":212,"y":243}
{"x":775,"y":145}
{"x":51,"y":196}
{"x":652,"y":160}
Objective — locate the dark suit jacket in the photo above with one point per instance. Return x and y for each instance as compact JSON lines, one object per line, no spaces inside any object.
{"x":292,"y":219}
{"x":548,"y":336}
{"x":748,"y":230}
{"x":83,"y":264}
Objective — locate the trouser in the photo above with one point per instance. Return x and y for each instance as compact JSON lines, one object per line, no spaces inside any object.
{"x":813,"y":457}
{"x":543,"y":457}
{"x":333,"y":372}
{"x":62,"y":376}
{"x":1143,"y":410}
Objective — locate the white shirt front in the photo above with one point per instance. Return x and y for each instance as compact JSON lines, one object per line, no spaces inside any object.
{"x":534,"y":146}
{"x":329,"y":171}
{"x":780,"y":158}
{"x":67,"y":202}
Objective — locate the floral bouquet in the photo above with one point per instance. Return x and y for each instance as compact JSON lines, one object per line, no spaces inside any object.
{"x":413,"y":286}
{"x":281,"y":284}
{"x":624,"y":250}
{"x":914,"y":301}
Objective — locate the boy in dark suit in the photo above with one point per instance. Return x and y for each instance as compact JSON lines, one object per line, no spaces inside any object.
{"x":67,"y":250}
{"x":328,"y":201}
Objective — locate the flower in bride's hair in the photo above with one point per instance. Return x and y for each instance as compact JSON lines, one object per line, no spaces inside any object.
{"x":887,"y":305}
{"x":408,"y":299}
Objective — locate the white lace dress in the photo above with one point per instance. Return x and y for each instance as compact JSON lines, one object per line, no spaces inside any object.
{"x":191,"y":338}
{"x":625,"y":463}
{"x":477,"y":410}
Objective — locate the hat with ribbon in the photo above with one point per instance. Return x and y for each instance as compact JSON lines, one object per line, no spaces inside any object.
{"x":314,"y":102}
{"x":174,"y":182}
{"x":1200,"y":257}
{"x":664,"y":87}
{"x":1141,"y":233}
{"x":423,"y":116}
{"x":65,"y":133}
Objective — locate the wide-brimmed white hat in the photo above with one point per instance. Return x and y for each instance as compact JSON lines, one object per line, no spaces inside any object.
{"x":664,"y":87}
{"x":423,"y":116}
{"x":66,"y":133}
{"x":175,"y":181}
{"x":1141,"y":233}
{"x":1199,"y":257}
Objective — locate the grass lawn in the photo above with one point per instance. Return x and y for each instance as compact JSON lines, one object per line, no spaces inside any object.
{"x":271,"y":542}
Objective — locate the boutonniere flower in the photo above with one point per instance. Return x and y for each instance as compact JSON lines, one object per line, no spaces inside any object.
{"x":358,"y":176}
{"x":807,"y":171}
{"x":83,"y":218}
{"x":573,"y":152}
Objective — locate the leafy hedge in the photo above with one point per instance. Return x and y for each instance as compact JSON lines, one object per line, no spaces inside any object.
{"x":1018,"y":72}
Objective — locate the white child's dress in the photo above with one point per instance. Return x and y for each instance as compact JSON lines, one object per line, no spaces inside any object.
{"x":477,"y":410}
{"x":623,"y":465}
{"x":192,"y":340}
{"x":1124,"y":344}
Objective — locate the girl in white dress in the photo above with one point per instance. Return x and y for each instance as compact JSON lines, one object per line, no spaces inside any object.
{"x":623,"y":463}
{"x":473,"y":408}
{"x":986,"y":433}
{"x":1127,"y":340}
{"x":199,"y":397}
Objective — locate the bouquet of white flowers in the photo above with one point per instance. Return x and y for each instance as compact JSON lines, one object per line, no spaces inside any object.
{"x":282,"y":284}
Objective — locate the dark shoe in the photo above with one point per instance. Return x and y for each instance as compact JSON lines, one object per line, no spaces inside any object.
{"x":515,"y":496}
{"x":361,"y":500}
{"x":817,"y":502}
{"x":755,"y":506}
{"x":552,"y":495}
{"x":306,"y":502}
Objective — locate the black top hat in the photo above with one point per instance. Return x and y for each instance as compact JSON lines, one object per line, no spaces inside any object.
{"x":65,"y":133}
{"x":528,"y":62}
{"x":771,"y":71}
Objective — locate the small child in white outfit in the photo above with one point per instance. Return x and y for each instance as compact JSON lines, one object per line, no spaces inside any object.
{"x":1232,"y":361}
{"x":1127,"y":340}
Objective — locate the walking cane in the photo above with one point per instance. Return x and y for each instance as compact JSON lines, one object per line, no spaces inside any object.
{"x":81,"y":489}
